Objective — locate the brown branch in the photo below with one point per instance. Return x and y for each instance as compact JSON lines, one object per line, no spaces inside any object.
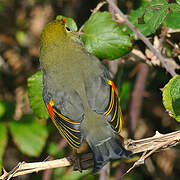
{"x":111,"y":9}
{"x":160,"y":142}
{"x":120,"y":15}
{"x":137,"y":95}
{"x":152,"y":144}
{"x":113,"y":65}
{"x":148,"y":144}
{"x":27,"y":168}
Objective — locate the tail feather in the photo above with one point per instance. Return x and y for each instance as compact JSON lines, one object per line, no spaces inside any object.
{"x":109,"y":149}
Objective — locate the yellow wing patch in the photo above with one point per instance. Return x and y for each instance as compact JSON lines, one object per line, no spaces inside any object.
{"x":113,"y":110}
{"x":69,"y":129}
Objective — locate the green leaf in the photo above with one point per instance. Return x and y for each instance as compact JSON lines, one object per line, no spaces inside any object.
{"x":148,"y":18}
{"x":69,"y":21}
{"x":135,"y":17}
{"x":172,"y":20}
{"x":29,"y":135}
{"x":35,"y":96}
{"x":104,"y":38}
{"x":174,"y":7}
{"x":157,"y":3}
{"x":3,"y":141}
{"x":2,"y":109}
{"x":171,"y":97}
{"x":157,"y":18}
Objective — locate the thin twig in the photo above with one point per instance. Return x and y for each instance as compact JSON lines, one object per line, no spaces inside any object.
{"x":141,"y":159}
{"x":27,"y":168}
{"x":148,"y":144}
{"x":146,"y":155}
{"x":98,"y":7}
{"x":120,"y":15}
{"x":157,"y":142}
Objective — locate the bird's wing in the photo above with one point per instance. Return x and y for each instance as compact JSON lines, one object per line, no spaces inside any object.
{"x":66,"y":111}
{"x":103,"y":99}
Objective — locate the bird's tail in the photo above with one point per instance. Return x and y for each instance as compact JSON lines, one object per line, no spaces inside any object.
{"x":106,"y":150}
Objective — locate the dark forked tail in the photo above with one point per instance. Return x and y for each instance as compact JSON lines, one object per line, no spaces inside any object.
{"x":106,"y":150}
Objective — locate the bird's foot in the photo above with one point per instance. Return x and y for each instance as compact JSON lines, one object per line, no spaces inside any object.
{"x":77,"y":162}
{"x":82,"y":161}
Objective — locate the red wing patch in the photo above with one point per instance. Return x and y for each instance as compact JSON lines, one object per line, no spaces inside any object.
{"x":69,"y":129}
{"x":114,"y":87}
{"x":50,"y":110}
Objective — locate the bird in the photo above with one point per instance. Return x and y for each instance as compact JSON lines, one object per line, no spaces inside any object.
{"x":79,"y":94}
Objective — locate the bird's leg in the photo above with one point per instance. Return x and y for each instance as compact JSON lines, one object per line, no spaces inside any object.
{"x":82,"y":158}
{"x":77,"y":161}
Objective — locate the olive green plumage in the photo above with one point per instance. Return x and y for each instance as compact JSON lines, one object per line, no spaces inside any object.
{"x":79,"y":94}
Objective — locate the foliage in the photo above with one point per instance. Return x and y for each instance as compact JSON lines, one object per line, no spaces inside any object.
{"x":29,"y":135}
{"x":149,"y":17}
{"x":35,"y":95}
{"x":103,"y":37}
{"x":171,"y":97}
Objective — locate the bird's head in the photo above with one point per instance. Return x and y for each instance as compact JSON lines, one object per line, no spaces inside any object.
{"x":56,"y":32}
{"x":58,"y":43}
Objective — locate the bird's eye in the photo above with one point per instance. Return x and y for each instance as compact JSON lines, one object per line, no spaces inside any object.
{"x":68,"y":29}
